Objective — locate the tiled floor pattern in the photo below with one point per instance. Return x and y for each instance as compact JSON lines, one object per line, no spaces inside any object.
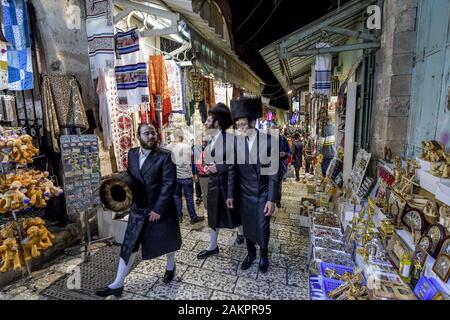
{"x":218,"y":277}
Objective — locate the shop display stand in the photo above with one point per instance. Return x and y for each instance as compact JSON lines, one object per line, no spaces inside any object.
{"x":358,"y":172}
{"x":29,"y":280}
{"x":86,"y":238}
{"x":81,"y":182}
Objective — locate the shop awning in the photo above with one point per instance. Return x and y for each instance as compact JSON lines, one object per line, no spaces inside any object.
{"x":291,"y":57}
{"x":214,"y":54}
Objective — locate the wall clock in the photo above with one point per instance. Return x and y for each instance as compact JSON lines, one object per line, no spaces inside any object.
{"x":437,"y":234}
{"x":414,"y":220}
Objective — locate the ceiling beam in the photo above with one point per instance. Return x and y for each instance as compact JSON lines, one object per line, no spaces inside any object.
{"x":147,"y":9}
{"x":313,"y":52}
{"x":351,"y":9}
{"x":173,"y":29}
{"x":351,"y":33}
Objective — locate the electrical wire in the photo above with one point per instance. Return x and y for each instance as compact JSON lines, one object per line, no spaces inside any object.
{"x":270,"y":15}
{"x":248,"y":17}
{"x":272,"y":94}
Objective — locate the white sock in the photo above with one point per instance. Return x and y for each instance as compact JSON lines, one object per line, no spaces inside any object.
{"x":170,"y":261}
{"x":240,"y":231}
{"x":213,"y":234}
{"x":122,"y":272}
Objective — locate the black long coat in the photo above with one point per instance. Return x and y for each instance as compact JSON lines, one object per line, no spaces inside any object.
{"x":219,"y":216}
{"x":251,"y":190}
{"x":297,"y":154}
{"x":154,"y":185}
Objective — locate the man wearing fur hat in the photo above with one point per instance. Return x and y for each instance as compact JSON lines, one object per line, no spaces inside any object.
{"x":216,"y":167}
{"x":253,"y":178}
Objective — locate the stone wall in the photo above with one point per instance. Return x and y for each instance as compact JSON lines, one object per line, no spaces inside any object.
{"x":62,"y":29}
{"x":393,"y":75}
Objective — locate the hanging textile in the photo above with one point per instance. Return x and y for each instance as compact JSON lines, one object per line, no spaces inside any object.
{"x":51,"y":124}
{"x":63,"y":105}
{"x":188,"y":96}
{"x":20,"y":67}
{"x":121,"y":120}
{"x":9,"y":109}
{"x":159,"y":88}
{"x":322,"y":73}
{"x":100,"y":35}
{"x":3,"y":66}
{"x":208,"y":86}
{"x":174,"y":83}
{"x":104,"y":108}
{"x":198,"y":85}
{"x":131,"y":71}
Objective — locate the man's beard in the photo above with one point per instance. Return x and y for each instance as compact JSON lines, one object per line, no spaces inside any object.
{"x":148,"y":146}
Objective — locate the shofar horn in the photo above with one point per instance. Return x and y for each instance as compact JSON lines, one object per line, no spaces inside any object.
{"x":116,"y":192}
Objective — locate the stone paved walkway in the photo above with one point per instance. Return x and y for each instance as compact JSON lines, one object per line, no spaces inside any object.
{"x":217,"y":277}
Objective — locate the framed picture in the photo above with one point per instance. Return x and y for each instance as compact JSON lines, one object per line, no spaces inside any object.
{"x":417,"y":262}
{"x":442,"y":267}
{"x":419,"y":256}
{"x":425,"y":243}
{"x":446,"y":246}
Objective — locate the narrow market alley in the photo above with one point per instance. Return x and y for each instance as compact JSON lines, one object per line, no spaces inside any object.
{"x":218,"y":277}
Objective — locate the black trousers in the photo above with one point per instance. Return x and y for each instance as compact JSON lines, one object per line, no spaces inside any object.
{"x":307,"y":167}
{"x":280,"y":190}
{"x":251,"y":249}
{"x":297,"y":173}
{"x":198,"y":190}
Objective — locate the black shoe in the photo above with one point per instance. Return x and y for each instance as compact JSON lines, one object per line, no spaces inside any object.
{"x":107,"y":291}
{"x":205,"y":253}
{"x":248,"y":261}
{"x":240,"y":239}
{"x":197,"y":219}
{"x":263,"y":264}
{"x":169,"y":275}
{"x":278,"y":204}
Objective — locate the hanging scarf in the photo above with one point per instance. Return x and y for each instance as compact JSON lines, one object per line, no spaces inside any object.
{"x":3,"y":66}
{"x":100,"y":35}
{"x":104,"y":108}
{"x":160,"y":90}
{"x":131,"y":71}
{"x":20,"y":66}
{"x":121,"y":119}
{"x":174,"y":83}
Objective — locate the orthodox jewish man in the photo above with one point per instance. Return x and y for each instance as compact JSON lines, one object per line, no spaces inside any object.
{"x":253,"y":179}
{"x":216,"y":167}
{"x":153,"y":222}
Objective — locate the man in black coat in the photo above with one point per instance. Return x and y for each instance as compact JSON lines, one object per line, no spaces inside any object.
{"x":216,"y":167}
{"x":153,"y":222}
{"x":253,"y":179}
{"x":297,"y":154}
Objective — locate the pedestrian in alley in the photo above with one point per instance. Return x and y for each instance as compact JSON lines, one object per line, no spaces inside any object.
{"x":327,"y":145}
{"x":215,"y":166}
{"x":308,"y":153}
{"x":202,"y":176}
{"x":182,"y":153}
{"x":285,"y":153}
{"x":197,"y":150}
{"x":297,"y":155}
{"x":253,"y":182}
{"x":152,"y":224}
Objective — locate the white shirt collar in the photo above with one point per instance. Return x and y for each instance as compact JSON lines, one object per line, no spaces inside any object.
{"x":144,"y":152}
